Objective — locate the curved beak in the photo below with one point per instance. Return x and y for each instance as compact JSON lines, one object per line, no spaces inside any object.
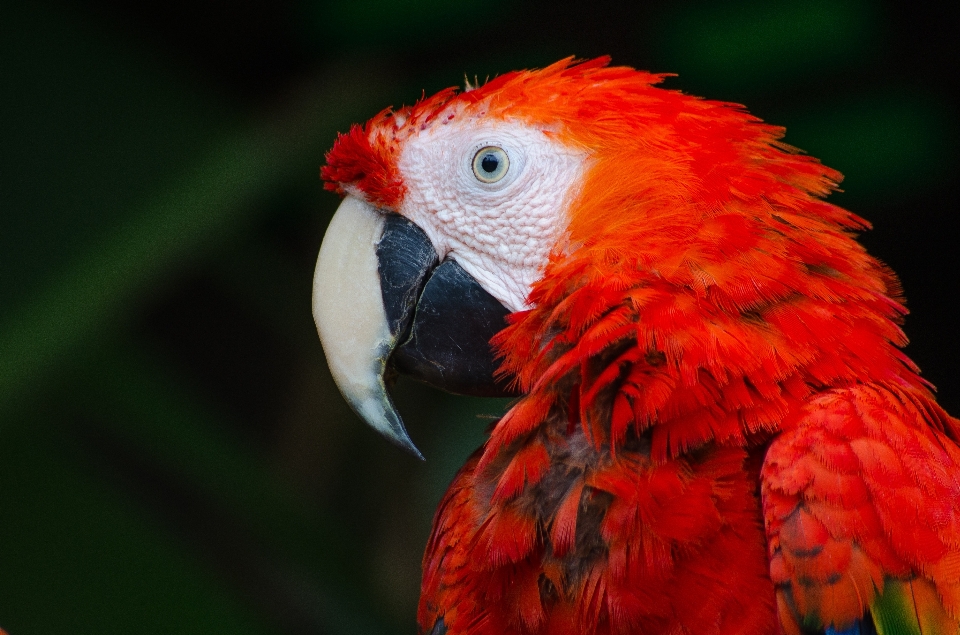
{"x":351,"y":320}
{"x":383,"y":302}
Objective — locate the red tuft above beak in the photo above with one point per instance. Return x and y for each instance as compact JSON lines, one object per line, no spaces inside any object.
{"x":368,"y":169}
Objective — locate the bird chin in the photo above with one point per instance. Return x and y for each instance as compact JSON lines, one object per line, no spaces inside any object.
{"x":384,"y":304}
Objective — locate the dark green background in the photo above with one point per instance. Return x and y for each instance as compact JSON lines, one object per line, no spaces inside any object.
{"x":173,"y":454}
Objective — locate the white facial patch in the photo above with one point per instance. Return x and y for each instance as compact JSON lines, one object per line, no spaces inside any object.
{"x":500,"y":232}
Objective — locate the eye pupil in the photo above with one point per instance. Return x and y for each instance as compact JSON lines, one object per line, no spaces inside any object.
{"x":489,"y":163}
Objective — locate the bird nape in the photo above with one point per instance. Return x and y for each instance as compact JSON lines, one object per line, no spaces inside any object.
{"x":715,"y":429}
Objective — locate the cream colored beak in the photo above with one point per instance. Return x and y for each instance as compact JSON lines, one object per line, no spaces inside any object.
{"x":350,"y":317}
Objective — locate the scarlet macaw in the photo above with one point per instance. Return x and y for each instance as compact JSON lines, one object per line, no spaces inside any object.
{"x":716,"y":430}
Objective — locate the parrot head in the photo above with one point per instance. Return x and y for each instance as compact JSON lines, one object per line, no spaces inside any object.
{"x":547,"y":198}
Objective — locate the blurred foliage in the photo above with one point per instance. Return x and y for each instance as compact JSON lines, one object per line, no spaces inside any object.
{"x":173,"y":453}
{"x":365,"y":25}
{"x":886,"y":144}
{"x":762,"y":46}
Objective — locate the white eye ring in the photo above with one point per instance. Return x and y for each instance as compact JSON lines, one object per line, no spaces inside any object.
{"x":490,"y":164}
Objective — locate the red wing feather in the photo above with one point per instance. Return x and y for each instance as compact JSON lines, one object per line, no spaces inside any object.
{"x":860,"y":495}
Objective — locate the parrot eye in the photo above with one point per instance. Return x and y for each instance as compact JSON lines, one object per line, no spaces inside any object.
{"x":490,"y":164}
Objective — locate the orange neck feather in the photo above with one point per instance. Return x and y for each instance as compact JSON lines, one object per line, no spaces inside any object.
{"x":705,"y":285}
